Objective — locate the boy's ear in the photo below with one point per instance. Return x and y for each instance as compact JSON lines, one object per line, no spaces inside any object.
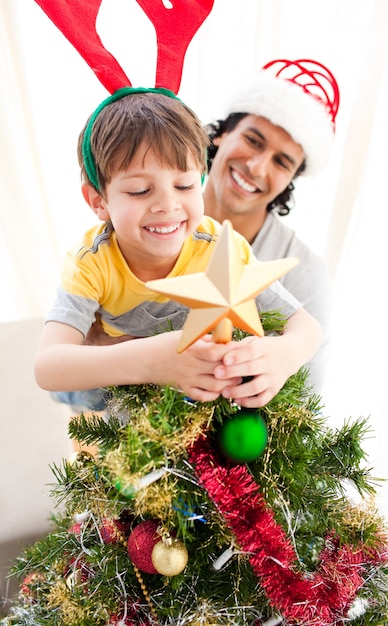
{"x":95,"y":201}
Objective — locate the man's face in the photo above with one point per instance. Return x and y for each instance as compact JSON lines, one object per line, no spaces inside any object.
{"x":254,"y":163}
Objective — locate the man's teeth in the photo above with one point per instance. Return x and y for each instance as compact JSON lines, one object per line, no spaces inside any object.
{"x":163,"y":230}
{"x":242,"y":183}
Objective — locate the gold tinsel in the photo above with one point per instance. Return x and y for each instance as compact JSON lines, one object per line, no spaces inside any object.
{"x":204,"y":615}
{"x":363,"y":515}
{"x":278,"y":424}
{"x":117,"y":463}
{"x":96,"y":502}
{"x":166,"y":447}
{"x":156,"y":499}
{"x":175,"y":441}
{"x":59,"y":596}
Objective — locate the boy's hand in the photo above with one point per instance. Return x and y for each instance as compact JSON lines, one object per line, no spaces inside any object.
{"x":192,"y":371}
{"x":264,"y":361}
{"x":270,"y":361}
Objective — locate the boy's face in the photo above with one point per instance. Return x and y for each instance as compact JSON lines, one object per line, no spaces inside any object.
{"x":153,"y":210}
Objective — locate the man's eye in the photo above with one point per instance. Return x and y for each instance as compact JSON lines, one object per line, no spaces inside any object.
{"x":254,"y":141}
{"x":283,"y":163}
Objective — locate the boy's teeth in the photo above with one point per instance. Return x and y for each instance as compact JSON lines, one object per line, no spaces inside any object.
{"x":163,"y":229}
{"x":240,"y":181}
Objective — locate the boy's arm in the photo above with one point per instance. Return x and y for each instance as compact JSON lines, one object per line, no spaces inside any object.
{"x":269,"y":360}
{"x":65,"y":363}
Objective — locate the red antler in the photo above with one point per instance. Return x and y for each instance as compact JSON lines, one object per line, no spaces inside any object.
{"x":175,"y":28}
{"x":76,"y":19}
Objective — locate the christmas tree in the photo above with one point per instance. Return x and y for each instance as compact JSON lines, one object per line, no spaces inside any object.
{"x":194,"y":514}
{"x":208,"y":514}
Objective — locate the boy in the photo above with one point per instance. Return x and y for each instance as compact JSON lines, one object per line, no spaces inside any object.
{"x":142,"y":156}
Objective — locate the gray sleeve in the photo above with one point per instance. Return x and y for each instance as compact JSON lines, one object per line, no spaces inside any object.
{"x":75,"y":311}
{"x":148,"y":318}
{"x":277,"y":298}
{"x":309,"y":281}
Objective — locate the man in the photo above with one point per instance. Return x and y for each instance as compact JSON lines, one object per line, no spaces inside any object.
{"x":279,"y":127}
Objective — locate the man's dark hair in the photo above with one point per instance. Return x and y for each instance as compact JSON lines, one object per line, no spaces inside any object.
{"x":218,"y":128}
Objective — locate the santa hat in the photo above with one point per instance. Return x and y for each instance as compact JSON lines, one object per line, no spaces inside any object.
{"x":300,"y":96}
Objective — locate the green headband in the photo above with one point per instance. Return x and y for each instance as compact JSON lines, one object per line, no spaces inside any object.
{"x":89,"y":162}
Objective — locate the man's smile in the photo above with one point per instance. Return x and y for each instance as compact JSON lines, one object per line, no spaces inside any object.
{"x":243,"y":183}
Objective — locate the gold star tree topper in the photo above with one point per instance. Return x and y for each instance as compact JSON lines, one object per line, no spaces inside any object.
{"x":223,"y":295}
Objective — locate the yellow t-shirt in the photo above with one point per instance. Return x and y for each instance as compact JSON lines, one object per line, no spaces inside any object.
{"x":96,"y":278}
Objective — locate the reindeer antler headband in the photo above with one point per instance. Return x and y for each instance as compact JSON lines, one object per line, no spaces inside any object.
{"x":175,"y":27}
{"x":89,"y":162}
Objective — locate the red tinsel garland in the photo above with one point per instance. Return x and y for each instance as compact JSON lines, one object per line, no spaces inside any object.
{"x":322,"y":599}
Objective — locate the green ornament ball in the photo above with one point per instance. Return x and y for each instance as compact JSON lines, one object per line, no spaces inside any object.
{"x":126,"y":489}
{"x":243,"y":437}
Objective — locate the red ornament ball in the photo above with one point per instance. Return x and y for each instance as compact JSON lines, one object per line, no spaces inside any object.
{"x":141,"y":542}
{"x":120,"y":621}
{"x":132,"y":617}
{"x":30,"y":585}
{"x":77,"y":572}
{"x":111,"y":530}
{"x":75,"y":529}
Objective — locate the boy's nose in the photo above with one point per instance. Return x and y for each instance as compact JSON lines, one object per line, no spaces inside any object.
{"x":166,"y":202}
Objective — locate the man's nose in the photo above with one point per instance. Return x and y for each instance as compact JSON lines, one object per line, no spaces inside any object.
{"x":258,"y":164}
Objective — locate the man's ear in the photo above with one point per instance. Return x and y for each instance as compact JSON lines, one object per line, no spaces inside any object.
{"x":95,"y":201}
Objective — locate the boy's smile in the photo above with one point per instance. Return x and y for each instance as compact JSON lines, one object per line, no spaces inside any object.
{"x":163,"y":230}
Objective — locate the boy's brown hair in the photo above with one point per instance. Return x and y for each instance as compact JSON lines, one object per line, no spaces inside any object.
{"x":152,"y":120}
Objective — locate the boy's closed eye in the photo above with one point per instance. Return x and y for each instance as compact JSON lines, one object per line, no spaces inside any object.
{"x":135,"y":194}
{"x":184,"y":187}
{"x":143,"y":192}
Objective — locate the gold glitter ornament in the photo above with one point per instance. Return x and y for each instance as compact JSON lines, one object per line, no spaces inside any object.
{"x":80,"y":458}
{"x":169,"y":557}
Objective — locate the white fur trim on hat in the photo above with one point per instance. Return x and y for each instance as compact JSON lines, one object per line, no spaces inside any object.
{"x":288,"y":106}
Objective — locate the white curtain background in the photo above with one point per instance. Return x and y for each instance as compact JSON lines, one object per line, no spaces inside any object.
{"x":47,"y":92}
